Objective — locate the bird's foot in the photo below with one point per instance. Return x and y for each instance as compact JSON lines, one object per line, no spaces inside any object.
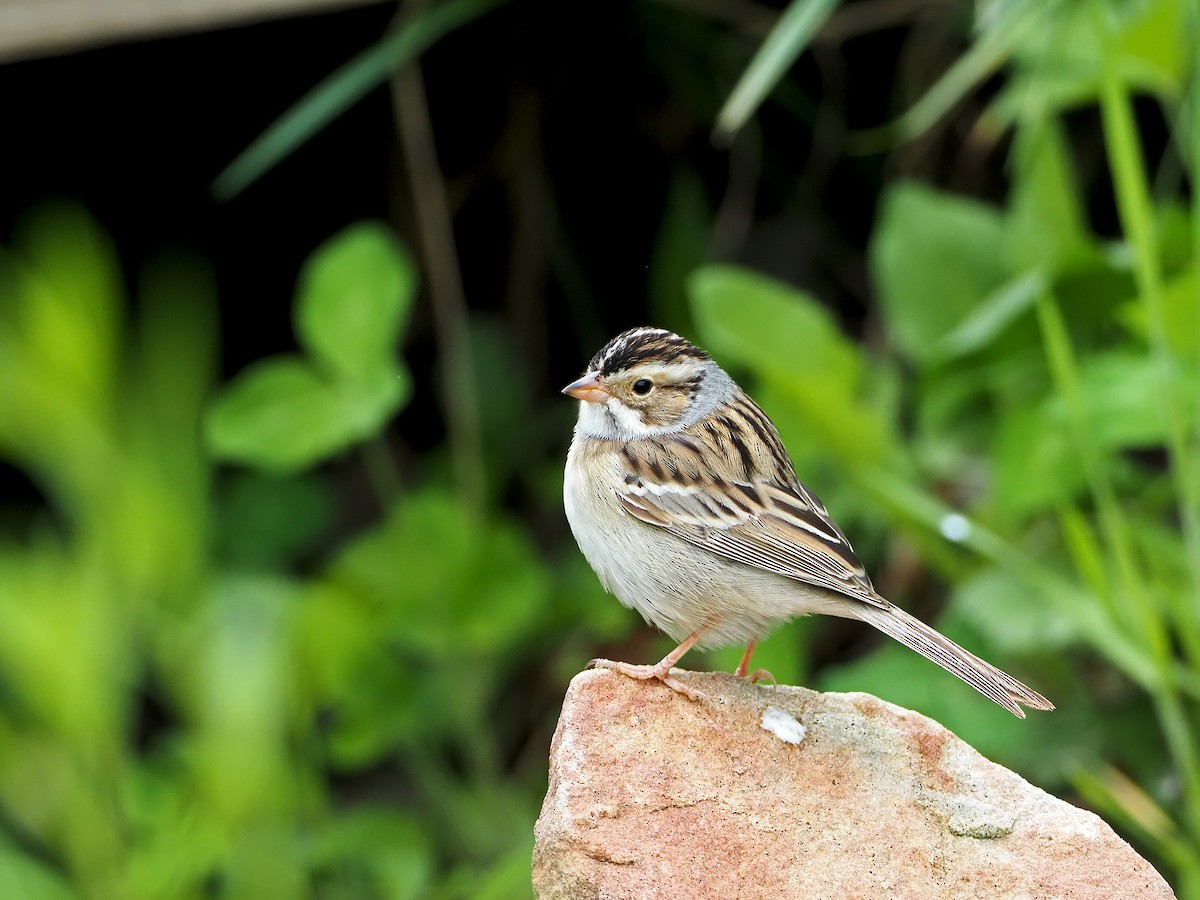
{"x":661,"y":671}
{"x":759,"y":675}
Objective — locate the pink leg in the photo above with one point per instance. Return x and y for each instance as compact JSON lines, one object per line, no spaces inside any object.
{"x":744,"y":666}
{"x":662,"y":670}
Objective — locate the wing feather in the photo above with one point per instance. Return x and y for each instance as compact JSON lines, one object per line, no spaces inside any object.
{"x":780,"y":531}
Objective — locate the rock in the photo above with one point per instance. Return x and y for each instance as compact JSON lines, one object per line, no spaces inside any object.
{"x":836,"y":796}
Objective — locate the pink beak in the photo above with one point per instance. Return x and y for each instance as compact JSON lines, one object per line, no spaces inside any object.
{"x":587,"y":388}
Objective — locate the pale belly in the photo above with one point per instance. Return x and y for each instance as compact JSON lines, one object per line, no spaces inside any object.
{"x":675,"y":586}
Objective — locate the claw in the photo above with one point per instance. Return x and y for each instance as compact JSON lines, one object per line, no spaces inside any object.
{"x":761,"y":675}
{"x":645,"y":673}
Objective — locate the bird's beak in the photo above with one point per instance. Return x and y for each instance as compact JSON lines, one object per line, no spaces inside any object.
{"x":588,"y":388}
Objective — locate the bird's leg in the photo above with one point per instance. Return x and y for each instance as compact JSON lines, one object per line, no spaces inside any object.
{"x":744,"y":666}
{"x":662,"y":669}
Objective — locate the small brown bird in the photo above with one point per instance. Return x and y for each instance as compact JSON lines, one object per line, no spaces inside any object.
{"x":685,"y":502}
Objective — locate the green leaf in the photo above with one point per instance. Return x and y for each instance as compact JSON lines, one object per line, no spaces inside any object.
{"x":1037,"y":463}
{"x":469,"y":587}
{"x":992,"y":316}
{"x":281,"y":416}
{"x":1034,"y":463}
{"x":787,"y":40}
{"x":393,"y":847}
{"x":791,"y":341}
{"x":998,"y":603}
{"x":1155,"y":46}
{"x":354,"y":295}
{"x":1046,"y":222}
{"x":23,"y":875}
{"x":65,"y":311}
{"x":1120,"y":391}
{"x":1181,"y":316}
{"x":343,"y":89}
{"x":935,"y":258}
{"x":269,"y":522}
{"x":770,"y":326}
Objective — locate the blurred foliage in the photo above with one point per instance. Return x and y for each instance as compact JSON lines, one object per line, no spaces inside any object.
{"x":182,"y":715}
{"x":216,"y":682}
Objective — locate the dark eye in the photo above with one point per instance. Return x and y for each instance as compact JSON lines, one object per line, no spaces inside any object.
{"x":642,"y":386}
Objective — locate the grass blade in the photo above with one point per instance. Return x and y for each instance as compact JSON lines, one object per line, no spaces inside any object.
{"x":787,"y":40}
{"x":341,"y":90}
{"x":981,"y":60}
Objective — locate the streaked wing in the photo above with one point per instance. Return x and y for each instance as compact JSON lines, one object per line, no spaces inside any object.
{"x":773,"y":523}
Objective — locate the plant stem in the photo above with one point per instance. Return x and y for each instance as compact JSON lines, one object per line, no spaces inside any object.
{"x":1137,"y":219}
{"x":1130,"y":606}
{"x":445,"y":283}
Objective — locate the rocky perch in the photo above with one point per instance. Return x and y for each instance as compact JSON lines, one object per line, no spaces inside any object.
{"x":785,"y":792}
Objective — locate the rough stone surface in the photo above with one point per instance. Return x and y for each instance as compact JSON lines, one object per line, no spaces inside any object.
{"x":654,"y":795}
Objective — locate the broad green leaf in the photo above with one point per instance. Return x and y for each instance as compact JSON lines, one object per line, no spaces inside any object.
{"x":770,"y":326}
{"x":281,"y":416}
{"x":935,"y":257}
{"x":1121,"y":393}
{"x":1155,"y":45}
{"x":787,"y":40}
{"x":791,"y":341}
{"x":354,"y":294}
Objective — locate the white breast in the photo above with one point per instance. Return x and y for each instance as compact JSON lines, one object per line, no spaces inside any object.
{"x":675,"y":586}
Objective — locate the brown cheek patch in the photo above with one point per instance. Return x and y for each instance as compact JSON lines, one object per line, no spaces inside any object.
{"x":666,"y":406}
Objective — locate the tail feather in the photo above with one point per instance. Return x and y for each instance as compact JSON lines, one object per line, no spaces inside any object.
{"x":983,"y":676}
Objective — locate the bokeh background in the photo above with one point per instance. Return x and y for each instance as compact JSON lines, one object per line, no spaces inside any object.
{"x":287,"y":599}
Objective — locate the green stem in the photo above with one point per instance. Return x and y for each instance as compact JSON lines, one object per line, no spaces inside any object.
{"x":435,"y":222}
{"x":1137,"y":219}
{"x":1131,"y":606}
{"x":1181,"y":743}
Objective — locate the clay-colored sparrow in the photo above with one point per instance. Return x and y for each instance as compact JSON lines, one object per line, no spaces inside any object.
{"x":685,"y":502}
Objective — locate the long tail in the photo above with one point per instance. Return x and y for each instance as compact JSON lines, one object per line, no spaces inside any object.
{"x":984,"y":677}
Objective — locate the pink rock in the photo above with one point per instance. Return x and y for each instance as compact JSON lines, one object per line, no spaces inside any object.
{"x":654,"y":795}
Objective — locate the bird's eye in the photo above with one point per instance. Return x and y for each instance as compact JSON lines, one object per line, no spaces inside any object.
{"x":642,"y":386}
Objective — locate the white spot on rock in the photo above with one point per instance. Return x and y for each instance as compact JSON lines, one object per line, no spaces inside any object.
{"x":783,"y":725}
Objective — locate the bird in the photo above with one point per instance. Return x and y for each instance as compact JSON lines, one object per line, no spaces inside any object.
{"x":683,"y":499}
